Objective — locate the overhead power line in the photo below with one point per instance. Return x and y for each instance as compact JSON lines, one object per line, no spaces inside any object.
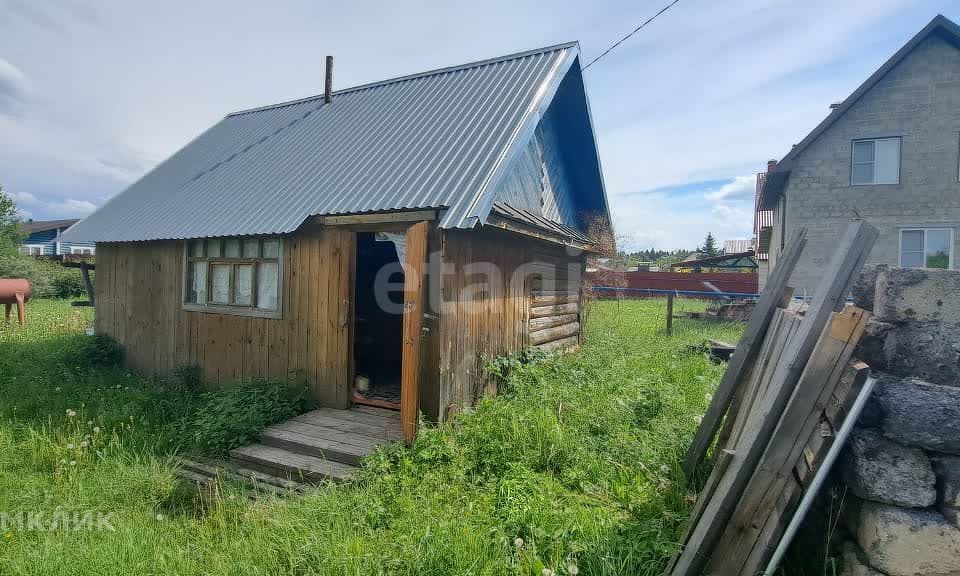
{"x":627,"y":37}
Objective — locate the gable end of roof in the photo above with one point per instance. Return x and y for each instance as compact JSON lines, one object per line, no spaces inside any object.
{"x":939,"y":26}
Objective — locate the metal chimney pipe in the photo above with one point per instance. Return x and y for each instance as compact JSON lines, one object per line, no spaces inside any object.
{"x":328,"y":82}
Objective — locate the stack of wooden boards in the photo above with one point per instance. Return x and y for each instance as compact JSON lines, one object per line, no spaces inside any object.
{"x":786,"y":388}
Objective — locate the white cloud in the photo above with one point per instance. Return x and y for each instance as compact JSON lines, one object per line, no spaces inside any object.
{"x":23,"y":198}
{"x":50,"y":207}
{"x":14,"y":88}
{"x":70,"y":208}
{"x":741,"y":187}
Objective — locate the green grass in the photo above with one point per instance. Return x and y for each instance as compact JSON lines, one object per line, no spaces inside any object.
{"x":578,"y":457}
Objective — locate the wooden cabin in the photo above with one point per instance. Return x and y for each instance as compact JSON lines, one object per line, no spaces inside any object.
{"x":378,"y":243}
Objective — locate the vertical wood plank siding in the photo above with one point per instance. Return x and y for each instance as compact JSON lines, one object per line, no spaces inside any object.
{"x":485,"y":315}
{"x":139,"y":290}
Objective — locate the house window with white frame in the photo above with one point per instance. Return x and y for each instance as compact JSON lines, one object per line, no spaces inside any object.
{"x":32,"y":249}
{"x":81,"y":250}
{"x":234,"y":275}
{"x":926,"y":248}
{"x":875,"y":161}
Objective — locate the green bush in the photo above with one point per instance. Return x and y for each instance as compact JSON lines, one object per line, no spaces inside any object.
{"x":234,"y":416}
{"x":188,"y":378}
{"x":48,"y":279}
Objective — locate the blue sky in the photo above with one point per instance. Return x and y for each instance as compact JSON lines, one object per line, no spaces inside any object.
{"x":93,"y":94}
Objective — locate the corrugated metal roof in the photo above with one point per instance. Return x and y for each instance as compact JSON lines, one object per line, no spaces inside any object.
{"x":34,"y":226}
{"x":431,"y":140}
{"x":528,"y":217}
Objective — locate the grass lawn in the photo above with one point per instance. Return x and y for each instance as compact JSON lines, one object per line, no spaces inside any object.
{"x":575,"y":463}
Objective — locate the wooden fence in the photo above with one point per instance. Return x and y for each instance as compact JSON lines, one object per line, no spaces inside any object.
{"x":739,"y":282}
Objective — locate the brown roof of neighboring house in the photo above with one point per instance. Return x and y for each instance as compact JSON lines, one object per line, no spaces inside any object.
{"x":34,"y":226}
{"x":776,"y":181}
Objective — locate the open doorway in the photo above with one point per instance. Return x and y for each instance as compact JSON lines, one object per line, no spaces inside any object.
{"x":378,"y":328}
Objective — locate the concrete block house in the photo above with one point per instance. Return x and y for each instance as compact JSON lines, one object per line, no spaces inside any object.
{"x":889,"y":153}
{"x":378,"y":243}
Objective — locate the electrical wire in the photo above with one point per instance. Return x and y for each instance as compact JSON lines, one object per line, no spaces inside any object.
{"x":627,"y":37}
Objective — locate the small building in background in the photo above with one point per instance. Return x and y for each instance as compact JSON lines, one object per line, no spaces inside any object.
{"x":44,"y":238}
{"x":762,"y":230}
{"x":737,"y":246}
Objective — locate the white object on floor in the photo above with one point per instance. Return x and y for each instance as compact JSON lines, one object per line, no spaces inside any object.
{"x":362,"y":383}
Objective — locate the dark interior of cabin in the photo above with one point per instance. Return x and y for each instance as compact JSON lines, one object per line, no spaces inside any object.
{"x":378,"y":329}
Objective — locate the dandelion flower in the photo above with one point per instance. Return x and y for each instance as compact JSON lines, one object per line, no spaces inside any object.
{"x":708,"y":396}
{"x":546,"y":572}
{"x":57,"y":389}
{"x":89,"y":422}
{"x":96,"y":429}
{"x":573,"y":570}
{"x":84,"y":444}
{"x":73,"y":462}
{"x":518,"y":542}
{"x":698,"y":419}
{"x":69,"y":446}
{"x":160,"y":517}
{"x":71,"y":413}
{"x":665,"y":469}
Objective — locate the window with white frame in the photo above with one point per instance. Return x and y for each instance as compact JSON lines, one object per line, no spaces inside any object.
{"x":234,"y":275}
{"x":926,"y":248}
{"x":875,"y":161}
{"x":83,"y":250}
{"x":32,"y":249}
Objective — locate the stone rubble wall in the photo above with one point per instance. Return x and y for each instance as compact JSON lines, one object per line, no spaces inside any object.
{"x":902,"y":463}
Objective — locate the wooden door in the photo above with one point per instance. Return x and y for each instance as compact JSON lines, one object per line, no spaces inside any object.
{"x":413,"y":293}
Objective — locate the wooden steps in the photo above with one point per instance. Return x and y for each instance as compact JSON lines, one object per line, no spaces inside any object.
{"x":290,"y":464}
{"x":206,"y":472}
{"x":324,"y":444}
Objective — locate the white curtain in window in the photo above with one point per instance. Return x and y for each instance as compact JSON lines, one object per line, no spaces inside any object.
{"x":887,"y":155}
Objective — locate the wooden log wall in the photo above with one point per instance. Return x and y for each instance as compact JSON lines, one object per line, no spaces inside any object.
{"x":139,"y":290}
{"x":533,"y":300}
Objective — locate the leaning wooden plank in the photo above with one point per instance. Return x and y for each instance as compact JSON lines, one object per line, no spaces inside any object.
{"x":723,"y":460}
{"x":555,"y":333}
{"x":747,"y":349}
{"x":837,"y":278}
{"x":773,"y":529}
{"x":846,"y":392}
{"x":808,"y":404}
{"x":820,"y":477}
{"x":754,"y":372}
{"x":818,"y":442}
{"x":802,"y":414}
{"x":557,"y":310}
{"x":765,"y":373}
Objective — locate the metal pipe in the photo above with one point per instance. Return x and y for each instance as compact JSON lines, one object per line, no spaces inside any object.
{"x":679,"y":292}
{"x":821,"y":476}
{"x":328,"y":82}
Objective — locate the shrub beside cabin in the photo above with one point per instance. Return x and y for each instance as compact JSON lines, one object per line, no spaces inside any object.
{"x":379,"y":243}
